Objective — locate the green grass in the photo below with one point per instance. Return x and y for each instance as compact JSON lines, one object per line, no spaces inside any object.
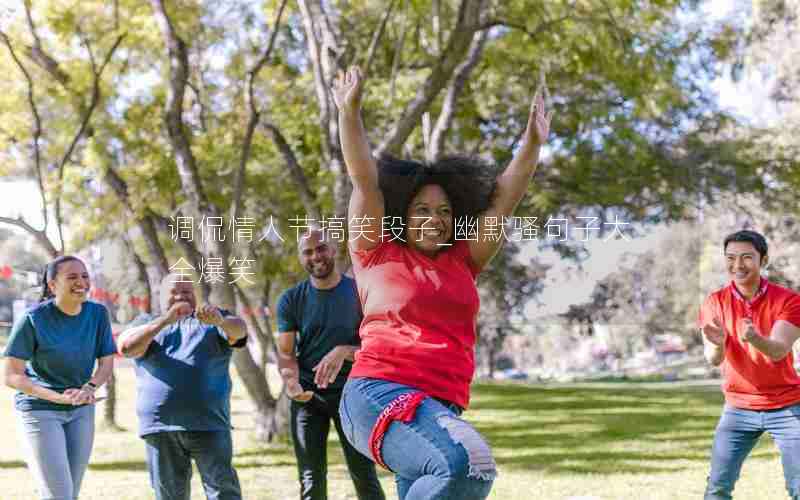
{"x":599,"y":441}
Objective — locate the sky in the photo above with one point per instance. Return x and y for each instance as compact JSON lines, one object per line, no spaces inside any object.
{"x":746,"y":98}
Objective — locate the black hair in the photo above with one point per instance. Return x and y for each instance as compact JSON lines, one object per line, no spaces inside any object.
{"x":469,"y":183}
{"x":51,"y":271}
{"x":746,"y":236}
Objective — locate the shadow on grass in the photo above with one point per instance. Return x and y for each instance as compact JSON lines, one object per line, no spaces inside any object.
{"x":272,"y":451}
{"x":568,"y":430}
{"x":258,"y":465}
{"x":13,"y":464}
{"x":576,"y":430}
{"x":282,"y":454}
{"x":122,"y":465}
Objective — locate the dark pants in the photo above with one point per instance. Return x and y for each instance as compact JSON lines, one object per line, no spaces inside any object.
{"x":738,"y":432}
{"x":311,"y":423}
{"x":169,"y":459}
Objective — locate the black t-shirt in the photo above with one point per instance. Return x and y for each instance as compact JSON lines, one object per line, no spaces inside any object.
{"x":323,"y":319}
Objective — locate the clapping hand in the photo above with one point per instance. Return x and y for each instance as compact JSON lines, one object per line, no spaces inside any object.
{"x":714,"y":333}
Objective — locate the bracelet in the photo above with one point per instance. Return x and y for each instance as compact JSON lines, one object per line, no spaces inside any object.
{"x":92,"y":386}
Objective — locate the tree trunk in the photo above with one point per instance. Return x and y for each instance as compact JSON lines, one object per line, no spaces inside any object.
{"x":252,"y":376}
{"x":280,"y":420}
{"x":110,"y":407}
{"x":258,"y":389}
{"x":491,"y":358}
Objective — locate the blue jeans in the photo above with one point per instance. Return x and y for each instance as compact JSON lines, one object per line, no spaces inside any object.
{"x":57,"y":447}
{"x":736,"y":435}
{"x":169,"y":460}
{"x":436,"y":456}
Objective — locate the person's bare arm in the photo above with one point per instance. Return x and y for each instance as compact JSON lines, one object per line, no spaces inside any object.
{"x":86,"y":394}
{"x":714,"y":338}
{"x":16,"y":378}
{"x":366,"y":209}
{"x":326,"y":371}
{"x":778,"y":344}
{"x":288,"y":368}
{"x":234,"y":327}
{"x":513,"y":183}
{"x":133,"y":342}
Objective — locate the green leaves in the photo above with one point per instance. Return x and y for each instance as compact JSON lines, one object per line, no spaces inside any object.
{"x":633,"y":127}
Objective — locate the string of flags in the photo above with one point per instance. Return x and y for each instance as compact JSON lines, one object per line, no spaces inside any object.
{"x":97,"y":293}
{"x":140,"y":303}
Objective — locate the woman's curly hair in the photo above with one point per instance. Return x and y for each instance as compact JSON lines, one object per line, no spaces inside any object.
{"x":469,"y":183}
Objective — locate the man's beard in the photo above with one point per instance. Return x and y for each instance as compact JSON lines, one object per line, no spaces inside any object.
{"x":321,"y":271}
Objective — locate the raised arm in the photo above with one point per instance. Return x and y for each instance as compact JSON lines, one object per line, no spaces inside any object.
{"x":366,"y":210}
{"x":512,"y":184}
{"x":133,"y":342}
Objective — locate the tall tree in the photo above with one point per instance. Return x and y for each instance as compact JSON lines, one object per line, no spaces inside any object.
{"x":215,"y":110}
{"x":773,"y":24}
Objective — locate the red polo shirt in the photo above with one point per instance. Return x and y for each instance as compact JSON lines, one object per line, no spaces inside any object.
{"x":419,"y":318}
{"x":751,"y":379}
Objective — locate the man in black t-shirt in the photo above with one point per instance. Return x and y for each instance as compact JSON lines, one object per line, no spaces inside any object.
{"x":318,"y":322}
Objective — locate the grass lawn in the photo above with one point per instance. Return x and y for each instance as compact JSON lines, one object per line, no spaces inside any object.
{"x":593,"y":441}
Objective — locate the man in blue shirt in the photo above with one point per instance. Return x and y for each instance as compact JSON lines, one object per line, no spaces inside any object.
{"x":318,"y":322}
{"x":182,"y":369}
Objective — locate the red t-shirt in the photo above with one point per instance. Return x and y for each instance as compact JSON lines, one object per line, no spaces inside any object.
{"x":751,"y":379}
{"x":419,"y":318}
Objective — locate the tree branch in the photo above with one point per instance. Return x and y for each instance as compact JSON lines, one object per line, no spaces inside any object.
{"x":265,"y":338}
{"x":376,"y":38}
{"x":199,"y":99}
{"x":541,"y":28}
{"x":37,"y":54}
{"x":398,"y":51}
{"x":616,"y":27}
{"x":37,"y":128}
{"x":254,"y":117}
{"x":436,"y":21}
{"x":320,"y":82}
{"x":147,"y":224}
{"x":457,"y":46}
{"x":40,"y":236}
{"x":31,"y":26}
{"x":298,"y":176}
{"x":456,"y":86}
{"x":141,"y":270}
{"x":94,"y":100}
{"x":179,"y":75}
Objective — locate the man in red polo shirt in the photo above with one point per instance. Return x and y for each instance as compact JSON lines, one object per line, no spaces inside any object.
{"x":749,"y":328}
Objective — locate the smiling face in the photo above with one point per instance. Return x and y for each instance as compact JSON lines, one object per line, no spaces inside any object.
{"x":71,"y":282}
{"x":317,"y":255}
{"x":429,"y":220}
{"x":173,"y":290}
{"x":744,"y":264}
